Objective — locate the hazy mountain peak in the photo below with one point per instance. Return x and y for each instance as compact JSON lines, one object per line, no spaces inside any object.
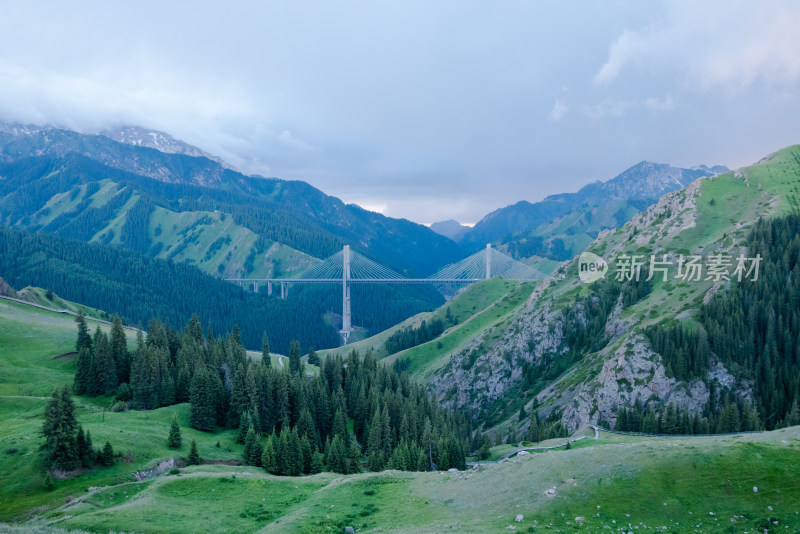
{"x":161,"y":141}
{"x":637,"y":186}
{"x":449,"y":228}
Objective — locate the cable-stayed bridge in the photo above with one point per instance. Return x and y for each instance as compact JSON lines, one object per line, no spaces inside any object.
{"x":348,"y":267}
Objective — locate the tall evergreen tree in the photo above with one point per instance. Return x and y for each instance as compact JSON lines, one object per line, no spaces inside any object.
{"x":86,"y":452}
{"x":83,"y":371}
{"x":84,"y":339}
{"x":245,"y":424}
{"x":375,"y":459}
{"x":252,"y":448}
{"x":203,"y":403}
{"x":533,"y":431}
{"x":119,"y":350}
{"x":59,"y":429}
{"x":265,"y":357}
{"x":107,"y":456}
{"x":174,"y":440}
{"x":336,"y":456}
{"x":268,"y":460}
{"x":294,"y":357}
{"x":313,"y":357}
{"x":194,"y":455}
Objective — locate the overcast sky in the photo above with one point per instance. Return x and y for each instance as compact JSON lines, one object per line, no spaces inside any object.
{"x":424,"y":110}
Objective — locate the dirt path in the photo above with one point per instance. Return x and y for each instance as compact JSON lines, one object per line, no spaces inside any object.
{"x":520,"y":449}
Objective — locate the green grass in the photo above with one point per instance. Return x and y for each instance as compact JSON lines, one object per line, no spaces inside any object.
{"x":141,"y":437}
{"x":31,"y":341}
{"x":213,"y":241}
{"x":186,"y":236}
{"x":470,"y":301}
{"x":623,"y":479}
{"x":485,"y":308}
{"x":37,"y":295}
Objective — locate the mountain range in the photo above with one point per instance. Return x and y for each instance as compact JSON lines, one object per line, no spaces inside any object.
{"x":276,"y":226}
{"x":562,"y":225}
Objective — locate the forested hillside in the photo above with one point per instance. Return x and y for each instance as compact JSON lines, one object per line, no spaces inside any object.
{"x":561,"y":226}
{"x":139,"y":288}
{"x":41,"y":166}
{"x":305,"y":418}
{"x":659,"y":351}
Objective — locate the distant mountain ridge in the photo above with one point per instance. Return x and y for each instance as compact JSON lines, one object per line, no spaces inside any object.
{"x":161,"y":141}
{"x":451,"y":229}
{"x":587,"y":210}
{"x":291,"y":213}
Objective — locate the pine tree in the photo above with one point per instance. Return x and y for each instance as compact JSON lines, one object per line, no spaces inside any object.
{"x":268,"y":460}
{"x":353,"y":459}
{"x":317,"y":463}
{"x":265,"y":357}
{"x":84,"y":339}
{"x":80,"y":445}
{"x":729,"y":419}
{"x":167,"y":393}
{"x":119,"y":350}
{"x":307,"y":454}
{"x":282,"y":398}
{"x":294,"y":357}
{"x":239,"y":401}
{"x":534,"y":434}
{"x":340,"y":425}
{"x":184,"y":385}
{"x":194,"y":456}
{"x":107,"y":456}
{"x":337,"y":456}
{"x":86,"y":453}
{"x":282,"y":452}
{"x":252,"y":448}
{"x":375,"y":459}
{"x":174,"y":440}
{"x":49,"y":484}
{"x":386,"y":433}
{"x":793,"y":418}
{"x":294,"y":460}
{"x":83,"y":371}
{"x":104,"y":364}
{"x":313,"y":358}
{"x":59,"y":429}
{"x":203,"y":401}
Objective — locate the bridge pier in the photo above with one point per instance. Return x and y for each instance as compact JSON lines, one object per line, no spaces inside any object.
{"x":284,"y":290}
{"x":346,"y":324}
{"x":269,"y":288}
{"x":255,"y":286}
{"x":488,"y":261}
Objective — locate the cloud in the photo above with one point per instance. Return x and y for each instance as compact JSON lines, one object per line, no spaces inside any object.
{"x":611,"y":107}
{"x":729,"y":44}
{"x":558,"y":111}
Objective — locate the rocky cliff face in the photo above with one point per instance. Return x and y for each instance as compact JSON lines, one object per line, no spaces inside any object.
{"x":625,"y":370}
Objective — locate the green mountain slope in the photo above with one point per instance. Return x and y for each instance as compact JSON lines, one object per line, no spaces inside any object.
{"x":139,"y":289}
{"x":45,"y":166}
{"x":561,"y":226}
{"x":745,"y":481}
{"x":581,"y":350}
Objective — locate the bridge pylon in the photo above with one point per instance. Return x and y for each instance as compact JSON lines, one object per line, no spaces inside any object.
{"x":347,"y":326}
